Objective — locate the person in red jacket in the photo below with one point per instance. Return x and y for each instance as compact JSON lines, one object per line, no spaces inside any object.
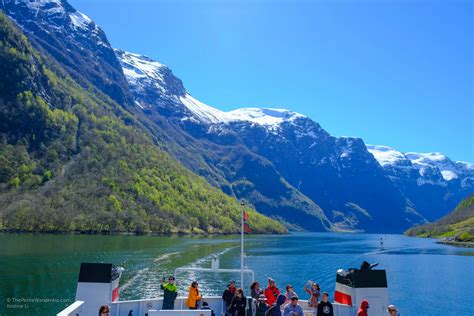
{"x":271,"y":292}
{"x":364,"y":306}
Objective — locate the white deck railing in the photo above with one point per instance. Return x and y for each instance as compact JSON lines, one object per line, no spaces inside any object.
{"x":74,"y":309}
{"x":153,"y":306}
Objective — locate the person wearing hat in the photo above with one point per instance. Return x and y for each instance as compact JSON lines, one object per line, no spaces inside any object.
{"x":262,"y":305}
{"x":228,"y":295}
{"x":271,"y":292}
{"x":364,"y":306}
{"x":325,"y":307}
{"x":293,"y":308}
{"x":170,"y":293}
{"x":392,"y":310}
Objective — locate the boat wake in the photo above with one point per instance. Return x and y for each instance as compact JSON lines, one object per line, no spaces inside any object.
{"x":166,"y":256}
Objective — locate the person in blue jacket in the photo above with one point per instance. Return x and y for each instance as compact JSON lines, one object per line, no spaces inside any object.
{"x":293,"y":308}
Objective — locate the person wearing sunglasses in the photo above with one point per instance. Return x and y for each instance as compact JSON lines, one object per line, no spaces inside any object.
{"x":170,"y":292}
{"x":290,"y":292}
{"x":104,"y":310}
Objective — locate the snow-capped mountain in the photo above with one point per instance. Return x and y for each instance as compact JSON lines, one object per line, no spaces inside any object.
{"x":145,"y":75}
{"x":338,"y":174}
{"x":432,"y":179}
{"x":427,"y":164}
{"x":74,"y":40}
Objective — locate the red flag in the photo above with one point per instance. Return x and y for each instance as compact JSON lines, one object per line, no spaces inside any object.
{"x":247,"y":228}
{"x":246,"y":216}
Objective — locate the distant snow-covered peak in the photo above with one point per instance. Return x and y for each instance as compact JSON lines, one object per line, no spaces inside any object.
{"x":386,"y":156}
{"x":139,"y":66}
{"x":143,"y":72}
{"x":423,"y":162}
{"x":449,"y":169}
{"x":264,"y":116}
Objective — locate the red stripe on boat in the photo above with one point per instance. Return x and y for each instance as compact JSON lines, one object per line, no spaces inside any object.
{"x":115,"y":294}
{"x":342,"y":298}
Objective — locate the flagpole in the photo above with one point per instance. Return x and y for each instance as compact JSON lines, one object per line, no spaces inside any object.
{"x":242,"y":247}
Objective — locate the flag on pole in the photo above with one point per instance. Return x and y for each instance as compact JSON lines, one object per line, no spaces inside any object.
{"x":246,"y":226}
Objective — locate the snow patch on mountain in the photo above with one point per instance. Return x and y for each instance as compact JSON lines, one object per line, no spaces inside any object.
{"x":386,"y":155}
{"x":47,"y":5}
{"x":138,"y":66}
{"x":204,"y":112}
{"x":80,"y":20}
{"x":264,"y":116}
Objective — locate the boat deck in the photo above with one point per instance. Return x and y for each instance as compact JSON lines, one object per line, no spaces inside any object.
{"x":151,"y":307}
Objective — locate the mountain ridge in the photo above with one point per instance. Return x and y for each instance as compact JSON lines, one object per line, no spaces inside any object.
{"x":281,"y":127}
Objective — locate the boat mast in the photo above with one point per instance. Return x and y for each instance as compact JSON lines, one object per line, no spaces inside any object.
{"x":242,"y":247}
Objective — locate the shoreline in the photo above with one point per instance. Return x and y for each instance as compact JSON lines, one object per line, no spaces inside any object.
{"x":461,"y":244}
{"x":118,"y":233}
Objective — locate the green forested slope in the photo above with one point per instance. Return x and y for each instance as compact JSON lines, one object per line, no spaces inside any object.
{"x":73,"y":160}
{"x":459,"y":224}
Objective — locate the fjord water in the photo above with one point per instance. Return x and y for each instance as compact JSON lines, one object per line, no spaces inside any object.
{"x":424,"y":278}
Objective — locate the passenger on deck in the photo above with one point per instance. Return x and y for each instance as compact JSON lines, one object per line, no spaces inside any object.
{"x":193,"y":296}
{"x":104,"y":310}
{"x":170,"y":293}
{"x":364,"y":306}
{"x":275,"y":310}
{"x":238,"y":304}
{"x":228,"y":295}
{"x":290,"y":293}
{"x":312,"y":288}
{"x":271,"y":292}
{"x":293,"y":308}
{"x":255,"y":290}
{"x":206,"y":306}
{"x":392,"y":310}
{"x":325,"y":307}
{"x":262,"y":306}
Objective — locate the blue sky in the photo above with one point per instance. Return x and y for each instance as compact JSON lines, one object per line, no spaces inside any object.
{"x":398,"y":73}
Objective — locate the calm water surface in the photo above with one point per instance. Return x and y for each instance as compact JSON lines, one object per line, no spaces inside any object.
{"x":424,"y":278}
